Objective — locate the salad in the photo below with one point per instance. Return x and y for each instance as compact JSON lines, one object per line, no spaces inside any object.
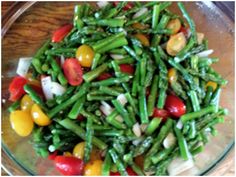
{"x":127,"y":89}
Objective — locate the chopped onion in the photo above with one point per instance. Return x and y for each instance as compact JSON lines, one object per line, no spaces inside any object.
{"x":122,"y":99}
{"x":140,"y":12}
{"x":102,"y":4}
{"x":23,"y":66}
{"x":179,"y":124}
{"x":57,"y":89}
{"x":149,"y":173}
{"x":205,"y":53}
{"x":46,"y":83}
{"x":169,"y":140}
{"x":62,"y":60}
{"x":143,"y":127}
{"x":136,"y":129}
{"x":137,"y":141}
{"x":178,"y":165}
{"x":116,"y":56}
{"x":106,"y":108}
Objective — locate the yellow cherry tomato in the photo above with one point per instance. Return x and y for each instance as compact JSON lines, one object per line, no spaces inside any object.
{"x":139,"y":26}
{"x":93,"y":168}
{"x":21,"y":122}
{"x":78,"y":150}
{"x":172,"y":75}
{"x":39,"y":117}
{"x":67,"y":153}
{"x":175,"y":44}
{"x":143,"y":39}
{"x":26,"y":103}
{"x":212,"y":84}
{"x":85,"y":55}
{"x":174,"y":25}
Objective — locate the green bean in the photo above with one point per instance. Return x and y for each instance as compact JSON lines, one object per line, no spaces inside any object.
{"x":131,"y":101}
{"x":112,"y":22}
{"x":131,"y":114}
{"x":197,"y":150}
{"x":118,"y":162}
{"x":111,"y":81}
{"x":142,"y":70}
{"x":215,"y":98}
{"x":106,"y":166}
{"x":152,"y":96}
{"x":62,"y":79}
{"x":70,"y":125}
{"x":194,"y":100}
{"x":155,"y":16}
{"x":143,"y":147}
{"x":69,"y":102}
{"x":14,"y":106}
{"x":135,"y":83}
{"x":95,"y":61}
{"x":163,"y":22}
{"x":75,"y":111}
{"x":143,"y":105}
{"x":209,"y":93}
{"x":109,"y":91}
{"x":123,"y":112}
{"x":137,"y":19}
{"x":153,"y":125}
{"x":60,"y":51}
{"x":162,"y":155}
{"x":93,"y":74}
{"x":65,"y":96}
{"x":88,"y":143}
{"x":111,"y":120}
{"x":131,"y":53}
{"x":78,"y":14}
{"x":115,"y":44}
{"x":197,"y":114}
{"x":120,"y":51}
{"x":109,"y":133}
{"x":89,"y":115}
{"x":126,"y":60}
{"x":184,"y":151}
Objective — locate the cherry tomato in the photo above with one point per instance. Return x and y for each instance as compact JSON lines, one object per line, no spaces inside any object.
{"x":67,"y":153}
{"x":69,"y":165}
{"x":78,"y":150}
{"x":73,"y":71}
{"x":93,"y":168}
{"x":53,"y":155}
{"x":143,"y":39}
{"x":212,"y":84}
{"x":174,"y":25}
{"x":85,"y":55}
{"x":185,"y":31}
{"x":129,"y":170}
{"x":21,"y":122}
{"x":39,"y":117}
{"x":172,"y":75}
{"x":16,"y":88}
{"x":126,"y":68}
{"x":95,"y":154}
{"x":60,"y":33}
{"x":164,"y":114}
{"x":128,"y":6}
{"x":38,"y":90}
{"x":175,"y":106}
{"x":104,"y":76}
{"x":175,"y":44}
{"x":26,"y":103}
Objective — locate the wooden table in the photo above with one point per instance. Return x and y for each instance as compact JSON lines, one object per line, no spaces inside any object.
{"x":229,"y":164}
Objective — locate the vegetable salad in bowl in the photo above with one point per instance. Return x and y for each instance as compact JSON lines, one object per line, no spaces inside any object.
{"x":126,"y":89}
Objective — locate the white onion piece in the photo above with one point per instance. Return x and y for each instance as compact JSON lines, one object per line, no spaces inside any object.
{"x":106,"y":108}
{"x":102,"y":4}
{"x":179,"y":165}
{"x":116,"y":56}
{"x":179,"y":124}
{"x":122,"y":99}
{"x":46,"y":83}
{"x":57,"y":89}
{"x":169,"y":140}
{"x":140,"y":12}
{"x":136,"y":129}
{"x":23,"y":66}
{"x":137,"y":141}
{"x":62,"y":60}
{"x":143,"y":127}
{"x":205,"y":53}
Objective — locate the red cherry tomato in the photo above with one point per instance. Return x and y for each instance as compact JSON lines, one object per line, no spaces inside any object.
{"x":60,"y":33}
{"x":104,"y":76}
{"x":69,"y":165}
{"x":73,"y":71}
{"x":184,"y":30}
{"x":16,"y":88}
{"x":38,"y":90}
{"x":175,"y":106}
{"x":129,"y":170}
{"x":164,"y":114}
{"x":126,"y":68}
{"x":128,"y":6}
{"x":53,"y":155}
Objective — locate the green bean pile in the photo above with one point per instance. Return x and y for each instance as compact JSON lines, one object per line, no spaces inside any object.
{"x":110,"y":30}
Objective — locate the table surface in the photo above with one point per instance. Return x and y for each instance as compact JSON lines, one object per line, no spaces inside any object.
{"x":231,"y":171}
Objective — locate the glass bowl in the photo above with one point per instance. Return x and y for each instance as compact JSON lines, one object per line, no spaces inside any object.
{"x":28,"y":25}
